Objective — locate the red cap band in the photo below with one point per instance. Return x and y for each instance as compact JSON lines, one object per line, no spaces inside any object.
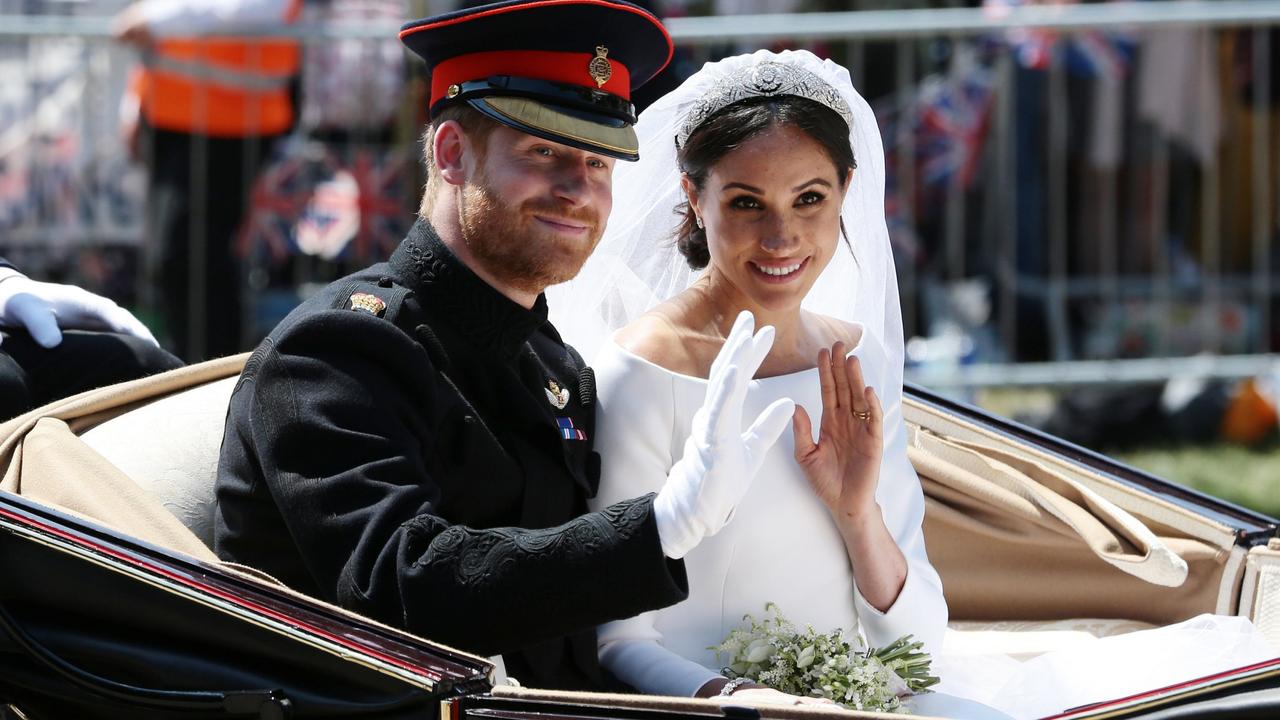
{"x":564,"y":67}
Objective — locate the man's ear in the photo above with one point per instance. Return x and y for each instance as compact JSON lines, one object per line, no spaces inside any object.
{"x":450,"y":150}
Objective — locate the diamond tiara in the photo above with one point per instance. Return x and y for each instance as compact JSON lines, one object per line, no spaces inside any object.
{"x":768,"y":79}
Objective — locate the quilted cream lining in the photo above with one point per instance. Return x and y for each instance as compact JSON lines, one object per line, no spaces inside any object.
{"x":1020,"y":534}
{"x":179,"y":471}
{"x":1157,"y":512}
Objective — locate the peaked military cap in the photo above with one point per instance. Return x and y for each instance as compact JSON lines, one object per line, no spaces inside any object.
{"x":562,"y":70}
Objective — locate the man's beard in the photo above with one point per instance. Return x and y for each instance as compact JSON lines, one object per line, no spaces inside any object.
{"x":508,"y":243}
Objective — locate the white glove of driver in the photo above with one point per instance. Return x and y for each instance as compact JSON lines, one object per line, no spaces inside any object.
{"x":45,"y":309}
{"x":720,"y":460}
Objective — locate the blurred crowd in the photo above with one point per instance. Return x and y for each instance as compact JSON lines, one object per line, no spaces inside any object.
{"x":211,"y":183}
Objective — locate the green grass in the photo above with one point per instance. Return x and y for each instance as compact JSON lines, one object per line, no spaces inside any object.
{"x":1242,"y":475}
{"x":1247,"y":476}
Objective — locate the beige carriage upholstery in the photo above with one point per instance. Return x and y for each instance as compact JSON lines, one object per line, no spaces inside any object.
{"x":1006,"y":549}
{"x":44,"y":456}
{"x":179,"y":471}
{"x":1035,"y":553}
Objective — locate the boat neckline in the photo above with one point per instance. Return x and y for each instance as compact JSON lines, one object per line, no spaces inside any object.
{"x":645,"y":361}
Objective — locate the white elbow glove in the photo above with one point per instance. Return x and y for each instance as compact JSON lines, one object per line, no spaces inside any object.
{"x":45,"y":309}
{"x":720,"y":460}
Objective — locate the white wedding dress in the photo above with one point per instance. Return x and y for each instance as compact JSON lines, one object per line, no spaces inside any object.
{"x":781,"y":546}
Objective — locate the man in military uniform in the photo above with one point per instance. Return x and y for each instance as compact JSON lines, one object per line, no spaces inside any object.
{"x":415,"y":441}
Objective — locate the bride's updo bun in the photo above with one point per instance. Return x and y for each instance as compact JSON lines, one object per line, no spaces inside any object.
{"x":735,"y":125}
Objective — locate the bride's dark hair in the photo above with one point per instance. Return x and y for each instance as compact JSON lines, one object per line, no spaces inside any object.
{"x":736,"y":124}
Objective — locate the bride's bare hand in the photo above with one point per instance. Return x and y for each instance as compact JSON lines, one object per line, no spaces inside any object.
{"x":843,"y":467}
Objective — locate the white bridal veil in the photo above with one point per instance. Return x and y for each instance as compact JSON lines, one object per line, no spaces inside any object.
{"x":637,"y":266}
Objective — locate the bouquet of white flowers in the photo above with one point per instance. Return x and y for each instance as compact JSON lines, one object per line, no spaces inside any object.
{"x":812,"y":664}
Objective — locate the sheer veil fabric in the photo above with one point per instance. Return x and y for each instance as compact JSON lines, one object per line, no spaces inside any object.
{"x":636,"y":266}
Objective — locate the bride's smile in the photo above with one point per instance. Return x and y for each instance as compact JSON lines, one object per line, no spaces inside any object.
{"x":771,"y":209}
{"x":780,"y":272}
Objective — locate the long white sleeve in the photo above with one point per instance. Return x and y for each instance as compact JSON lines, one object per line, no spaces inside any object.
{"x":632,"y":650}
{"x":920,"y":608}
{"x":634,"y":432}
{"x":198,"y":17}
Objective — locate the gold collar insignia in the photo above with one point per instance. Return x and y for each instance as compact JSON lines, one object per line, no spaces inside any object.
{"x":371,"y":304}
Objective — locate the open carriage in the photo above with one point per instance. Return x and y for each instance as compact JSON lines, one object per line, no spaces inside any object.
{"x":114,"y":605}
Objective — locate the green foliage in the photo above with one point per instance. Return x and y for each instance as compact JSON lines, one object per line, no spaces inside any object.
{"x":1242,"y":475}
{"x":1247,"y":476}
{"x":773,"y":652}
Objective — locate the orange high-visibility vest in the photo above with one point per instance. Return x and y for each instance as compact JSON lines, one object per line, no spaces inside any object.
{"x":218,"y":86}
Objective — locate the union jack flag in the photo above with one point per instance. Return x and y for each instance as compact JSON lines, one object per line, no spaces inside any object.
{"x":944,"y":123}
{"x":1088,"y":53}
{"x":330,"y":202}
{"x":278,"y":196}
{"x":1100,"y":53}
{"x":950,"y":125}
{"x":381,"y":177}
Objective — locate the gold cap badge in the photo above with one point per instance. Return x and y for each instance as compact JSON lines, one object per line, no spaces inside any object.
{"x":453,"y":91}
{"x":371,"y":304}
{"x":556,"y":395}
{"x":599,"y":68}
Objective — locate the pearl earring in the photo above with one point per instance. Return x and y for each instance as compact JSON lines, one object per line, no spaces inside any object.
{"x":698,"y":219}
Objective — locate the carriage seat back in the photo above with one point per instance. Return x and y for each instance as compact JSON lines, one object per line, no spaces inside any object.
{"x":170,"y":448}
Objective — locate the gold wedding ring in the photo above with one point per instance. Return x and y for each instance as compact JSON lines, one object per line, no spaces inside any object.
{"x":863,"y":415}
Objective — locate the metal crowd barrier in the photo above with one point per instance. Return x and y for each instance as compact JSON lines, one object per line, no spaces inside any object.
{"x":1062,"y":210}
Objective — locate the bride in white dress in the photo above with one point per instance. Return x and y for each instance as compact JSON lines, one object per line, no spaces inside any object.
{"x":826,"y":533}
{"x":781,"y":163}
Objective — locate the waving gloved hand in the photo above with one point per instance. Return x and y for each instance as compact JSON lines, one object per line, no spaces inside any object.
{"x":720,"y":460}
{"x":44,"y":310}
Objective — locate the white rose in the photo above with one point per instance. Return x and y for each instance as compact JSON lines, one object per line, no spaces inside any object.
{"x":759,"y":651}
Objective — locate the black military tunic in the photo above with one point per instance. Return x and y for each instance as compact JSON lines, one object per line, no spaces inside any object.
{"x":412,"y":445}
